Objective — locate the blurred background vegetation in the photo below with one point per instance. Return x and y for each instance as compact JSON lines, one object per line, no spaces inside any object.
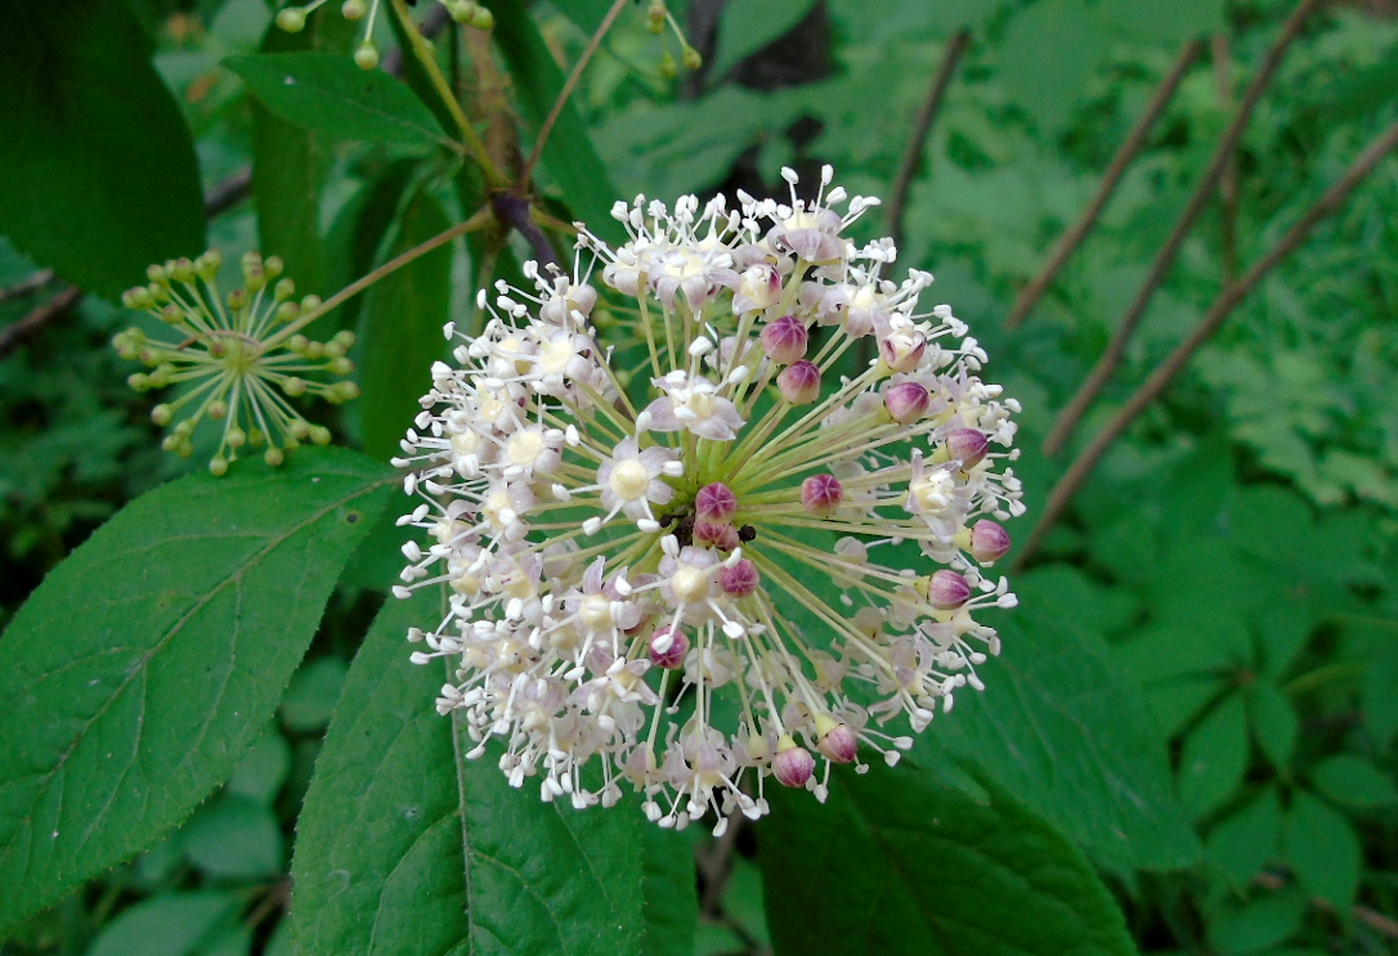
{"x":1235,"y":545}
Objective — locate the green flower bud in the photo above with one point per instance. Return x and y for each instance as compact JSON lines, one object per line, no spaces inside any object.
{"x":366,"y":57}
{"x":292,"y":20}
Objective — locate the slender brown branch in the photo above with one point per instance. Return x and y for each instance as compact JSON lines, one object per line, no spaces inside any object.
{"x":569,"y":85}
{"x":1106,"y":365}
{"x":1030,"y":295}
{"x":1227,"y":300}
{"x":898,"y":203}
{"x":1371,"y":918}
{"x":12,"y":336}
{"x":27,"y":286}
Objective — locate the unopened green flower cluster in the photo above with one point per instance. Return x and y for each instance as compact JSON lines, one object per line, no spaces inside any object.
{"x":235,"y":359}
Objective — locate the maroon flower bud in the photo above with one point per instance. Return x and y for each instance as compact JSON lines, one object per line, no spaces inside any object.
{"x":800,"y":382}
{"x":967,"y":445}
{"x":839,"y":744}
{"x":715,"y":502}
{"x":719,"y":535}
{"x":989,"y":541}
{"x":821,"y":495}
{"x":740,"y":580}
{"x":668,"y":647}
{"x":793,"y":766}
{"x":947,"y":590}
{"x":785,"y":340}
{"x":906,"y":402}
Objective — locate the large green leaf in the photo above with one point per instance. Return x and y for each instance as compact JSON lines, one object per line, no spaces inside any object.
{"x":327,"y":93}
{"x":895,"y":862}
{"x":435,"y":854}
{"x":150,"y":660}
{"x":289,"y":164}
{"x":1060,"y":729}
{"x":100,"y":177}
{"x":401,"y":329}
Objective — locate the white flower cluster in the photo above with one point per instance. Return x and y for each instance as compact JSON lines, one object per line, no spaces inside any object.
{"x":730,"y":549}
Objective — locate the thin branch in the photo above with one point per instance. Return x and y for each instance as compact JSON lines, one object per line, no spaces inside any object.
{"x":228,"y":192}
{"x":27,"y":286}
{"x":1106,"y":365}
{"x":571,"y":84}
{"x":12,"y":336}
{"x":514,"y":212}
{"x":1030,"y":295}
{"x":897,"y":205}
{"x":1371,"y":918}
{"x":1082,"y":467}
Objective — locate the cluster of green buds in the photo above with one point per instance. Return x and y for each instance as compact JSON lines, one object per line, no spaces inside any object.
{"x":366,"y":54}
{"x":658,"y":17}
{"x":236,"y":358}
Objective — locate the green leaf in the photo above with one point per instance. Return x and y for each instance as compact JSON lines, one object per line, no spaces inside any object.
{"x":1032,"y":65}
{"x":1323,"y":850}
{"x":671,"y":903}
{"x":309,"y":701}
{"x":1058,"y":727}
{"x":263,"y":770}
{"x":288,"y":170}
{"x":327,"y":93}
{"x":1258,"y":924}
{"x":100,"y":176}
{"x":171,"y":924}
{"x":436,"y":855}
{"x":235,"y":837}
{"x":746,"y":26}
{"x":401,"y":330}
{"x":896,"y":862}
{"x":146,"y":664}
{"x":569,"y":156}
{"x":1247,"y":840}
{"x":1273,"y":720}
{"x":1352,"y":780}
{"x":1214,"y":757}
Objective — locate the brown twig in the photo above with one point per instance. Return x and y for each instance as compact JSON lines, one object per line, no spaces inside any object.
{"x":1227,"y":300}
{"x":569,"y":85}
{"x":1030,"y":295}
{"x":27,"y":286}
{"x":11,"y":336}
{"x":227,"y":193}
{"x":897,"y":205}
{"x":1068,"y":419}
{"x":1369,"y":917}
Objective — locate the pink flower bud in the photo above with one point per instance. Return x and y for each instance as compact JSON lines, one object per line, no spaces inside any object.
{"x":793,"y":766}
{"x":906,"y":402}
{"x":839,"y":744}
{"x":902,"y":353}
{"x":948,"y":590}
{"x":715,"y":502}
{"x":719,"y":535}
{"x":740,"y":580}
{"x":668,"y":647}
{"x":785,"y":340}
{"x":989,"y":541}
{"x":821,"y":495}
{"x":800,"y":382}
{"x":967,"y":445}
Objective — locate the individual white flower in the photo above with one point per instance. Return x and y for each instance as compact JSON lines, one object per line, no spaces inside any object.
{"x":730,"y":504}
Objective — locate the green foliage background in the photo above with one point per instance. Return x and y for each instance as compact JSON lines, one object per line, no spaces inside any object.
{"x":1188,"y":745}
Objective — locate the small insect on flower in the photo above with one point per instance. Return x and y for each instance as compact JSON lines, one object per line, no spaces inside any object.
{"x":728,"y":552}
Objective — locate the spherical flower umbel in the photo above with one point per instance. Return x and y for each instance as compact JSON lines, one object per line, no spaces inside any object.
{"x":730,"y":552}
{"x":239,"y":356}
